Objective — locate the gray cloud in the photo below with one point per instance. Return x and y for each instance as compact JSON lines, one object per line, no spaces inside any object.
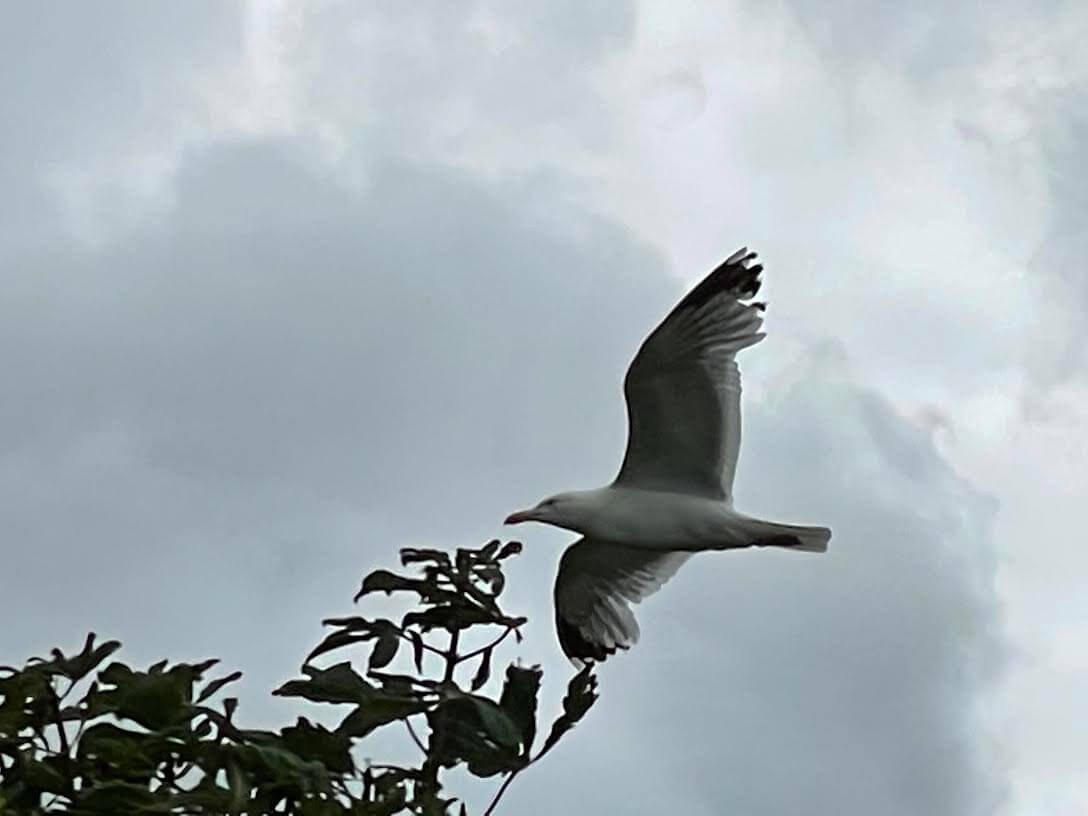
{"x":86,"y":84}
{"x":848,"y":683}
{"x":256,"y":395}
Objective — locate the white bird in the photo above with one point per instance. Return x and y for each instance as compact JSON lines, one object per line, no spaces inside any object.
{"x":674,"y":493}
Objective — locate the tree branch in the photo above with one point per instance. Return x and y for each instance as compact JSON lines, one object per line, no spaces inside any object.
{"x":498,"y":795}
{"x":451,"y":656}
{"x":491,"y":645}
{"x":415,"y":736}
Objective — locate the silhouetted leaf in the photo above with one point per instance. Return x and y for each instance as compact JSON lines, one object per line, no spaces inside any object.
{"x":80,"y":665}
{"x":474,"y":730}
{"x":519,"y":700}
{"x":405,"y":683}
{"x":385,"y":581}
{"x":114,"y":797}
{"x":448,"y":617}
{"x":414,"y":556}
{"x":492,"y":573}
{"x":129,"y":755}
{"x":354,"y":622}
{"x":489,"y":549}
{"x":154,"y":699}
{"x":337,"y":640}
{"x":483,"y":672}
{"x":497,"y":723}
{"x":581,"y":695}
{"x":336,"y":684}
{"x":214,"y":686}
{"x":379,"y":711}
{"x":315,"y":742}
{"x":417,"y":649}
{"x":385,"y":649}
{"x":277,"y":761}
{"x":42,"y":775}
{"x":508,"y":549}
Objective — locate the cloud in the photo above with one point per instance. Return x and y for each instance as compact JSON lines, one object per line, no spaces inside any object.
{"x":845,"y":683}
{"x":96,"y":99}
{"x":381,"y":304}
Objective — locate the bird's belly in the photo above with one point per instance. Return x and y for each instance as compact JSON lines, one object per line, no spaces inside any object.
{"x":644,"y":518}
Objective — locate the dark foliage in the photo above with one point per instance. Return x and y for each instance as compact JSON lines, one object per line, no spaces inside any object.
{"x":80,"y":738}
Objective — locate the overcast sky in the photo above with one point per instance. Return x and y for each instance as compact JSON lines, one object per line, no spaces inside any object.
{"x":288,"y":286}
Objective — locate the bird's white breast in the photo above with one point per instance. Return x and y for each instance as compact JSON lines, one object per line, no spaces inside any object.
{"x":660,"y":520}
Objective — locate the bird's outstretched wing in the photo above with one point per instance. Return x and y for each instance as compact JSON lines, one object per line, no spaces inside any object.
{"x":596,"y":583}
{"x":683,"y":387}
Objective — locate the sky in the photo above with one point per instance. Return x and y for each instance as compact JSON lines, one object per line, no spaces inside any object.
{"x":288,"y":286}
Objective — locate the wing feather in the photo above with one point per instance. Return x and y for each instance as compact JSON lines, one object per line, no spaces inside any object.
{"x":683,"y":387}
{"x":596,"y":583}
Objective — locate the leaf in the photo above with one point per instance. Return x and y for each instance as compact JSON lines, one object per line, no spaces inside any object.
{"x":413,"y":556}
{"x":43,"y":775}
{"x":315,"y":742}
{"x":240,"y":787}
{"x":350,"y":622}
{"x":337,"y":640}
{"x":497,"y":723}
{"x":489,"y":549}
{"x":519,"y":700}
{"x":449,"y":617}
{"x":278,"y":761}
{"x":336,"y":684}
{"x":508,"y":549}
{"x":417,"y":649}
{"x":152,"y":699}
{"x":385,"y":649}
{"x":214,"y":686}
{"x":129,"y":755}
{"x":484,"y":671}
{"x":113,"y":797}
{"x":385,"y":581}
{"x":377,"y":712}
{"x":405,"y":680}
{"x":581,"y":695}
{"x":79,"y":666}
{"x":476,"y":731}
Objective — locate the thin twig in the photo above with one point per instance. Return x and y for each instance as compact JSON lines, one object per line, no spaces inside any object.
{"x":58,"y":721}
{"x":482,"y":649}
{"x":428,"y":647}
{"x":498,"y":795}
{"x":451,"y":655}
{"x":415,"y":736}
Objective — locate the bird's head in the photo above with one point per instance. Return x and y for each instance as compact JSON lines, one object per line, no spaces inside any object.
{"x":566,"y":510}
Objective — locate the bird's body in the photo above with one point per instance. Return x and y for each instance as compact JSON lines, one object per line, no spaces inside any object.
{"x":673,"y":494}
{"x":663,"y":520}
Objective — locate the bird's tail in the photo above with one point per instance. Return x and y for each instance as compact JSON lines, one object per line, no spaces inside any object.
{"x":791,"y":536}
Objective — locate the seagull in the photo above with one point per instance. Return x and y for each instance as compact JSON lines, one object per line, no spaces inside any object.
{"x":673,"y":496}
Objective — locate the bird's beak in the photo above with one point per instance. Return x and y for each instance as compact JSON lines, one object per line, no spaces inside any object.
{"x":519,"y":517}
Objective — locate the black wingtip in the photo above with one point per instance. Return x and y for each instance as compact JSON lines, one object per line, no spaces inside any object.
{"x":576,"y":647}
{"x":736,"y":275}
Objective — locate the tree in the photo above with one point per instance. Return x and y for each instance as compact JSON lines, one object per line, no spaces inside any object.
{"x":154,"y":742}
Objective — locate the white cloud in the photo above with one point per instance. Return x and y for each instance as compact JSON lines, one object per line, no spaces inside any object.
{"x":348,"y":279}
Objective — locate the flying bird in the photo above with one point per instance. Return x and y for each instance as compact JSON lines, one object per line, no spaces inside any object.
{"x":673,"y":496}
